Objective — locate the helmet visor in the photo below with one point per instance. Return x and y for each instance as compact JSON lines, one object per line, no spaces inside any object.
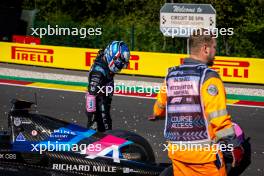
{"x":120,"y":63}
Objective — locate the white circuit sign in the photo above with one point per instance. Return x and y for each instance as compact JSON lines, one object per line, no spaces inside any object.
{"x":179,"y":20}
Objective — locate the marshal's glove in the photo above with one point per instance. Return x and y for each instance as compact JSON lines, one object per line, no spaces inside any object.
{"x":237,"y":154}
{"x":152,"y":118}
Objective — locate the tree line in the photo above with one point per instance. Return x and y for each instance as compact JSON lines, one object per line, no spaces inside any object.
{"x":137,"y":23}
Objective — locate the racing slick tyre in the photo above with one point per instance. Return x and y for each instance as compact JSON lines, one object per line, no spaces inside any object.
{"x":140,"y":150}
{"x":167,"y":172}
{"x":4,"y":140}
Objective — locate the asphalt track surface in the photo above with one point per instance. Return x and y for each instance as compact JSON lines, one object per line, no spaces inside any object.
{"x":131,"y":114}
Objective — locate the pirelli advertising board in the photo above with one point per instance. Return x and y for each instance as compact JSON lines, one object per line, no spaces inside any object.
{"x":231,"y":69}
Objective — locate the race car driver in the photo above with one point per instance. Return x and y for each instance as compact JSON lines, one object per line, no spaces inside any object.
{"x":108,"y":62}
{"x":194,"y":103}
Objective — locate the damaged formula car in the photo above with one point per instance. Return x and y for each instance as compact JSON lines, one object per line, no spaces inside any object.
{"x":40,"y":145}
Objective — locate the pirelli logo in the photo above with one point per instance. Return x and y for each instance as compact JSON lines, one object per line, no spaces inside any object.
{"x":32,"y":54}
{"x":234,"y":69}
{"x":133,"y":62}
{"x":230,"y":69}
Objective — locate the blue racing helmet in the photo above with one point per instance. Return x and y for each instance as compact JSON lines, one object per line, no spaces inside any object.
{"x":117,"y":56}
